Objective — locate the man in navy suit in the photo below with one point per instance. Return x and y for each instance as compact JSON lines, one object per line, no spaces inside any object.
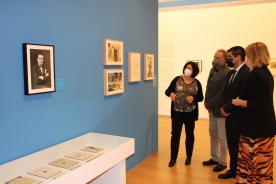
{"x":40,"y":74}
{"x":235,"y":80}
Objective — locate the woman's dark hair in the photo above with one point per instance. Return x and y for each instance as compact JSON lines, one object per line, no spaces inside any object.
{"x":194,"y":66}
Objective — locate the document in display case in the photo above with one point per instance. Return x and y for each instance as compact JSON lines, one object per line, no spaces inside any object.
{"x":63,"y":162}
{"x":44,"y":172}
{"x":79,"y":155}
{"x":22,"y":180}
{"x":92,"y":149}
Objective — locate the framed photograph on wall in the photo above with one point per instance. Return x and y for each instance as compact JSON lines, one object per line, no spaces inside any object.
{"x":39,"y":68}
{"x":134,"y":67}
{"x":198,"y":62}
{"x":113,"y":51}
{"x":113,"y":81}
{"x":148,"y":66}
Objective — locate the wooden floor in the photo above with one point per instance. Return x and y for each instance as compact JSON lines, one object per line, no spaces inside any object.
{"x":155,"y":170}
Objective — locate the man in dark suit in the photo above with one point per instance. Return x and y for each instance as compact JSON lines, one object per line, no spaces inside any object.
{"x":40,"y":74}
{"x":213,"y":102}
{"x":235,"y":80}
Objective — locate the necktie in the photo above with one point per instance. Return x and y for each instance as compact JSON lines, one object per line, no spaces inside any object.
{"x":232,"y":77}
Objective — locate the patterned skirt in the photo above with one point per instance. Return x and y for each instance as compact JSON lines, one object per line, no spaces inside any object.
{"x":255,"y":160}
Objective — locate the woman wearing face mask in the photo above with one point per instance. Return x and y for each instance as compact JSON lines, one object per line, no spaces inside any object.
{"x":257,"y":119}
{"x":185,"y":92}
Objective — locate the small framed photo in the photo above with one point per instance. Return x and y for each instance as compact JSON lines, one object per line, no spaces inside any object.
{"x":113,"y":51}
{"x":148,"y":66}
{"x":113,"y":81}
{"x":39,"y":68}
{"x":198,"y":62}
{"x":134,"y":67}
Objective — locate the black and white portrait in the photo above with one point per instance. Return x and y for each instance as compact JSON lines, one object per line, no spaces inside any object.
{"x":38,"y":68}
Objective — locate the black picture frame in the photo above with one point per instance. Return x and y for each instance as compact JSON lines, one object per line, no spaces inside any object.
{"x":39,"y":68}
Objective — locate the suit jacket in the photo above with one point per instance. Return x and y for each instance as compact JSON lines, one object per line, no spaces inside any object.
{"x":197,"y":98}
{"x":214,"y":91}
{"x":257,"y":120}
{"x":36,"y":73}
{"x":233,"y":91}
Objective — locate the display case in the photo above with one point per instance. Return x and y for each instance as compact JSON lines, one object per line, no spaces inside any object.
{"x":106,"y":166}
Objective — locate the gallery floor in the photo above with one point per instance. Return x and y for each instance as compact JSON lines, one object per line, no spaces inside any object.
{"x":155,"y":170}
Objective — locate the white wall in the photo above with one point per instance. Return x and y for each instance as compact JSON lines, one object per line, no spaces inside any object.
{"x":196,"y":35}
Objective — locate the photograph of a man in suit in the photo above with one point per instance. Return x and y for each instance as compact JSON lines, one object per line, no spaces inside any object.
{"x":234,"y":82}
{"x":213,"y":102}
{"x":40,"y":74}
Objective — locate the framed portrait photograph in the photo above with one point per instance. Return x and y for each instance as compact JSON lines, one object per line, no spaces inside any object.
{"x":113,"y":51}
{"x":148,"y":66}
{"x":134,"y":67}
{"x":198,"y":62}
{"x":113,"y":81}
{"x":39,"y":68}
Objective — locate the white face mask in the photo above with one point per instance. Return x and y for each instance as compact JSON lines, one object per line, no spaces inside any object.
{"x":187,"y":72}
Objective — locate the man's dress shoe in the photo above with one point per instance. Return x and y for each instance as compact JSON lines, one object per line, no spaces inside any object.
{"x":227,"y":175}
{"x":210,"y":162}
{"x":188,"y":161}
{"x":172,"y":162}
{"x":219,"y":168}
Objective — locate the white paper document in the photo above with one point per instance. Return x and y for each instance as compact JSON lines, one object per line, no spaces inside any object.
{"x":22,"y":180}
{"x":79,"y":155}
{"x":63,"y":162}
{"x":93,"y":149}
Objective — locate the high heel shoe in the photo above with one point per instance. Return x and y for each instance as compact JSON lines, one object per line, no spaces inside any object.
{"x":172,"y":162}
{"x":188,"y":160}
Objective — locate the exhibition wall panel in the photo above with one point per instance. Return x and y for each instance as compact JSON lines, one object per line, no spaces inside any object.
{"x":76,"y":29}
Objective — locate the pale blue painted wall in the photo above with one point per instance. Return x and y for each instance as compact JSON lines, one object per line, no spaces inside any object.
{"x":76,"y":29}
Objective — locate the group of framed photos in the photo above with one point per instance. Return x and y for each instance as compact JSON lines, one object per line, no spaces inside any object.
{"x":39,"y":67}
{"x":113,"y":54}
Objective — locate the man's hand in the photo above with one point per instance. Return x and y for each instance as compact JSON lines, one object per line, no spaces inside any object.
{"x":222,"y":112}
{"x":206,"y":107}
{"x":41,"y":77}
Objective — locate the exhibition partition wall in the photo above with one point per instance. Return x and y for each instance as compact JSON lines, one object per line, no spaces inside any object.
{"x":75,"y":104}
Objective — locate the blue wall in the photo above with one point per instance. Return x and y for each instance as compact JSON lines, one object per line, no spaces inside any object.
{"x":76,"y":29}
